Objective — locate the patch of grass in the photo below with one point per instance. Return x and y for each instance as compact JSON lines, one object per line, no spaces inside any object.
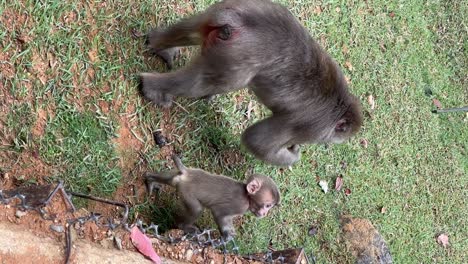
{"x":78,"y":145}
{"x":415,"y":164}
{"x":19,"y":121}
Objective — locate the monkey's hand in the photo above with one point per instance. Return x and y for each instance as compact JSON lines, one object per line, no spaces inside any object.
{"x":286,"y":156}
{"x":149,"y":88}
{"x":151,"y":185}
{"x":267,"y":138}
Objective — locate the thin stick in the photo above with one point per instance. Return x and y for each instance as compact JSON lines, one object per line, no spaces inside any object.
{"x":448,"y":110}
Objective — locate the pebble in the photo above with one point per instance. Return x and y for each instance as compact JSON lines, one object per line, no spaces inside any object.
{"x":188,"y":255}
{"x":118,"y":243}
{"x":57,"y":228}
{"x":20,"y":213}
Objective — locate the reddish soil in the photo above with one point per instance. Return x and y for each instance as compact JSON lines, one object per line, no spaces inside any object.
{"x":18,"y":168}
{"x":57,"y":209}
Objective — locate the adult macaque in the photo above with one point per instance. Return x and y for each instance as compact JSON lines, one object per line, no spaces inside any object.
{"x":259,"y":44}
{"x":225,"y":197}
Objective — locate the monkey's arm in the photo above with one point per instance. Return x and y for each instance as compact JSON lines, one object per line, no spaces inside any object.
{"x":271,"y":141}
{"x":153,"y":180}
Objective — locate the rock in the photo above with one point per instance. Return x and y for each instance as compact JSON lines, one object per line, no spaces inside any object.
{"x":188,"y":255}
{"x":364,"y":242}
{"x":118,"y":243}
{"x":20,"y":213}
{"x":57,"y":228}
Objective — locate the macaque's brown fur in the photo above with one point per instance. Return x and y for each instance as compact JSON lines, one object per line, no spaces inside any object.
{"x":259,"y":44}
{"x":225,"y":197}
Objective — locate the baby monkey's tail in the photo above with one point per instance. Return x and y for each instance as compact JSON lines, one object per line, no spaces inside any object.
{"x":181,"y":167}
{"x":154,"y":180}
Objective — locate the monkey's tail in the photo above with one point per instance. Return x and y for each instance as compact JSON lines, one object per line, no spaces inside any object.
{"x":180,"y":166}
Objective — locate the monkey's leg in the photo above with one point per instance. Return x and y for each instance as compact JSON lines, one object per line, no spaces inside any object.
{"x":271,"y":141}
{"x":197,"y":28}
{"x":200,"y":79}
{"x":153,"y":179}
{"x":226,"y":228}
{"x":186,"y":218}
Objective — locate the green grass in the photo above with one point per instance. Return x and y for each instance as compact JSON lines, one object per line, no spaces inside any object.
{"x":415,"y":165}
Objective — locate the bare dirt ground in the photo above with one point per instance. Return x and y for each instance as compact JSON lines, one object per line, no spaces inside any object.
{"x":26,"y":231}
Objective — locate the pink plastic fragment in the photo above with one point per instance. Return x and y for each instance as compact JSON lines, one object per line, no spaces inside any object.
{"x":144,"y":245}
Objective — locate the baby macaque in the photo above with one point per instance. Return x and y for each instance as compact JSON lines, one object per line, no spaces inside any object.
{"x":225,"y":197}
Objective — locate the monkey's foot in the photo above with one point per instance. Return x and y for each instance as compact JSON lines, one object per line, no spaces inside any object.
{"x":189,"y":229}
{"x":148,"y":88}
{"x":228,"y":235}
{"x":208,"y":98}
{"x":167,"y":55}
{"x":294,"y":149}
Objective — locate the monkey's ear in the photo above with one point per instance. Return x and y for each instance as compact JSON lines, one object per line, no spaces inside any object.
{"x":342,"y":125}
{"x":253,"y":186}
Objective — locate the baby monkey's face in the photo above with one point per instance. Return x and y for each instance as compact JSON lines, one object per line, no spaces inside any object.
{"x":261,"y":203}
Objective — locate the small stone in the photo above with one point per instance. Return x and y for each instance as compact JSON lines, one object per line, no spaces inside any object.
{"x":159,"y":139}
{"x":118,"y":243}
{"x":344,"y":164}
{"x":20,"y":213}
{"x":57,"y":228}
{"x":188,"y":255}
{"x":313,"y":230}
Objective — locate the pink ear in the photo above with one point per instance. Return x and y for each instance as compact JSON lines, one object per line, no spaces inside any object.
{"x":253,"y":186}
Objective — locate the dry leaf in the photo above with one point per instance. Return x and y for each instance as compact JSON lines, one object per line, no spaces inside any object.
{"x":324,"y":185}
{"x":338,"y":183}
{"x":437,"y":103}
{"x":92,"y":56}
{"x":392,"y":14}
{"x":347,"y":191}
{"x":249,"y":109}
{"x":364,"y":143}
{"x":348,"y":80}
{"x":348,"y":65}
{"x":443,"y":240}
{"x":318,"y":10}
{"x":370,"y":100}
{"x":344,"y":49}
{"x":383,"y":210}
{"x":143,"y":244}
